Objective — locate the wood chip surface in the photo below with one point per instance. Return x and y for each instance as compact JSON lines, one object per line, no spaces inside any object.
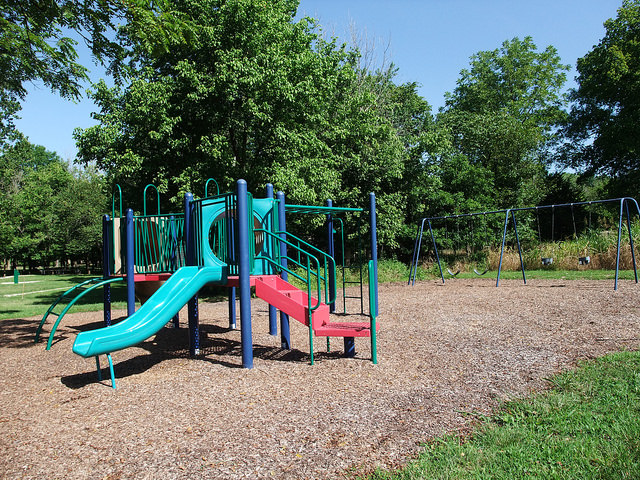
{"x":444,"y":351}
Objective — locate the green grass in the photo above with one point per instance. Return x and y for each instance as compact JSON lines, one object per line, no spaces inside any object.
{"x":34,"y":294}
{"x":586,"y":427}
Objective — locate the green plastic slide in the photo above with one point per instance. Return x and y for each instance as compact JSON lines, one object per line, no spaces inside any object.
{"x":153,"y":315}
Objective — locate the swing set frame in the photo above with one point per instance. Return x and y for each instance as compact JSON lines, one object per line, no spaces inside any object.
{"x":510,"y":217}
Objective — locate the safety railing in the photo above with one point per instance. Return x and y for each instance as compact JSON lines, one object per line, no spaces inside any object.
{"x":159,"y":243}
{"x":305,"y":261}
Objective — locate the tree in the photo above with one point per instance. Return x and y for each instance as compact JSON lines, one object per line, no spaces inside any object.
{"x":35,"y":46}
{"x":503,"y":114}
{"x":47,"y":213}
{"x":604,"y":131}
{"x":258,"y":96}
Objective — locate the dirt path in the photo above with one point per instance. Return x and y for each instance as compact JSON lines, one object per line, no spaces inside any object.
{"x":443,"y":350}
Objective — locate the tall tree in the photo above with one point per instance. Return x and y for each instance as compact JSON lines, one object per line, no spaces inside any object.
{"x":504,"y":112}
{"x":258,"y":95}
{"x":35,"y":44}
{"x":604,"y":131}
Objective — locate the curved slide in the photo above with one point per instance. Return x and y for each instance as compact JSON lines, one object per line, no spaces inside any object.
{"x":153,"y":315}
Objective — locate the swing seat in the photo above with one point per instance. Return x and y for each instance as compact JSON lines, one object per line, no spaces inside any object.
{"x":547,"y":260}
{"x":452,"y":273}
{"x":475,"y":270}
{"x":584,"y":260}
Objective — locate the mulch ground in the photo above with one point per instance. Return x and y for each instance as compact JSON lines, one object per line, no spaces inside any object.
{"x":444,"y":351}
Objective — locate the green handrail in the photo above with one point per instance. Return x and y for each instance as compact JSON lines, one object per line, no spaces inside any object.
{"x":327,"y":259}
{"x":144,"y":199}
{"x":58,"y":300}
{"x":72,"y":302}
{"x":206,"y":187}
{"x":113,"y":201}
{"x":307,"y":268}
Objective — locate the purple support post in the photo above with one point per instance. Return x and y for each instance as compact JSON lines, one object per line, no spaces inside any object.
{"x":192,"y":308}
{"x":374,"y":245}
{"x":273,"y":314}
{"x":130,"y":263}
{"x":285,"y":337}
{"x":244,"y":272}
{"x":332,"y":253}
{"x":106,"y":269}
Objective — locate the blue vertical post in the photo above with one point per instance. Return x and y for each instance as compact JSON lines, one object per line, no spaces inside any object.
{"x":332,"y":252}
{"x":633,"y":254}
{"x":244,"y":272}
{"x":615,"y":284}
{"x":192,"y":308}
{"x":273,"y":314}
{"x":285,"y":338}
{"x":515,"y":229}
{"x":504,"y":237}
{"x":374,"y":245}
{"x":106,"y":269}
{"x":130,"y":261}
{"x":174,"y":259}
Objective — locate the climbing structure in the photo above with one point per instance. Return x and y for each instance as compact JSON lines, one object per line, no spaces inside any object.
{"x":232,"y":240}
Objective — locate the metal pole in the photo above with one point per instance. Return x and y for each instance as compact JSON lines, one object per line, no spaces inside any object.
{"x":273,"y":314}
{"x":332,"y":253}
{"x":515,"y":227}
{"x":435,"y":249}
{"x":374,"y":245}
{"x":416,"y":255}
{"x":504,"y":236}
{"x":244,"y":272}
{"x":633,"y":255}
{"x":285,"y":338}
{"x":173,"y":254}
{"x":615,"y":285}
{"x":106,"y":269}
{"x":130,"y":260}
{"x":192,"y":306}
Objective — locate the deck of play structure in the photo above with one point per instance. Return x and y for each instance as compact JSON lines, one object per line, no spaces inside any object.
{"x":232,"y":240}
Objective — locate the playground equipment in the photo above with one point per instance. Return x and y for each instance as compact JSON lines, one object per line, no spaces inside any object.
{"x":510,"y":217}
{"x":232,"y":240}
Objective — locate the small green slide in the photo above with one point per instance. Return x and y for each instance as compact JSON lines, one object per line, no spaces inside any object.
{"x":153,"y":315}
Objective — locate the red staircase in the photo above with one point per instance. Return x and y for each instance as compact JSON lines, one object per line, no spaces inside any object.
{"x":295,"y":303}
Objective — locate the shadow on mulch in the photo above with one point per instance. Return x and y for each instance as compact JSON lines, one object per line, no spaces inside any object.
{"x":169,"y":343}
{"x":18,"y":333}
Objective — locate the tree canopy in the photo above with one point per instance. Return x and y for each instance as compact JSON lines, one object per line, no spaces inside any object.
{"x":504,"y":112}
{"x":604,"y":130}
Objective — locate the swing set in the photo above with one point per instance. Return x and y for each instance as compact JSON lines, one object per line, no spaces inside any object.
{"x":510,"y":217}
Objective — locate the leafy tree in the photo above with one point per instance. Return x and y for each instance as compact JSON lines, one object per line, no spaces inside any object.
{"x":46,"y":212}
{"x":35,"y":46}
{"x":605,"y":118}
{"x":504,"y":113}
{"x":258,"y":96}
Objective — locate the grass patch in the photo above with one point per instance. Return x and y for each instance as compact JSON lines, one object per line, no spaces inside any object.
{"x":587,"y":426}
{"x":33,"y":295}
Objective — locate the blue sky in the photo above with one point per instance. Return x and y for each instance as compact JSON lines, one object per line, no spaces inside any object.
{"x":429,"y":41}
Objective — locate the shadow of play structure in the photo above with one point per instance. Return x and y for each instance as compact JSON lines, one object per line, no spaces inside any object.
{"x":232,"y":240}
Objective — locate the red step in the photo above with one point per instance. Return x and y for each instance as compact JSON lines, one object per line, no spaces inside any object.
{"x":291,"y":300}
{"x":344,"y":329}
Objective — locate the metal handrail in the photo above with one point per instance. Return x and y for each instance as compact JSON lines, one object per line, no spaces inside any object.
{"x":306,"y":267}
